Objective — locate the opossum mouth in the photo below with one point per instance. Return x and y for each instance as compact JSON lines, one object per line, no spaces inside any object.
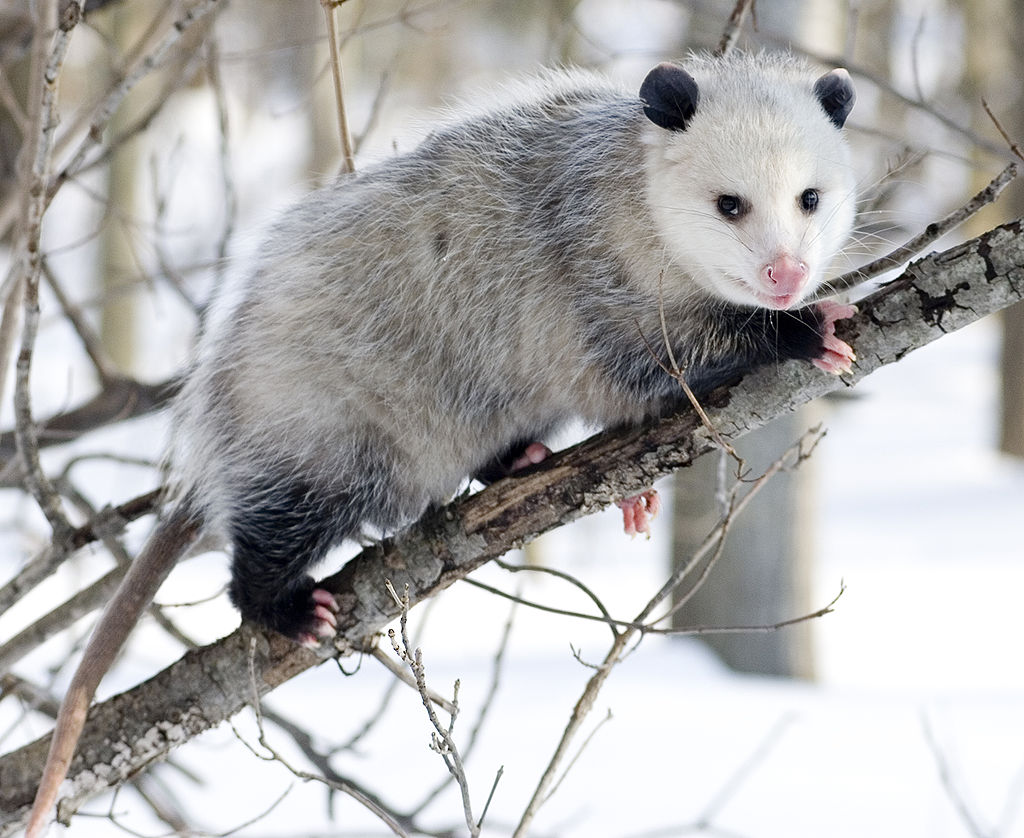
{"x":780,"y":302}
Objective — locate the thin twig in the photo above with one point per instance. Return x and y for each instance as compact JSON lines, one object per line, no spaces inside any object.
{"x":492,"y":691}
{"x":673,"y":369}
{"x":970,"y":821}
{"x":560,"y":574}
{"x":441,"y":740}
{"x":579,"y":752}
{"x":402,"y":675}
{"x":382,"y":704}
{"x":733,"y":27}
{"x":551,"y":609}
{"x":345,"y":137}
{"x":589,"y":695}
{"x":932,"y":233}
{"x":732,"y":785}
{"x":10,"y":103}
{"x":999,"y":127}
{"x":140,"y":65}
{"x":224,"y":158}
{"x":764,"y":628}
{"x":91,"y":342}
{"x":146,"y":57}
{"x":272,"y":755}
{"x":336,"y":781}
{"x":109,"y":520}
{"x":487,"y":803}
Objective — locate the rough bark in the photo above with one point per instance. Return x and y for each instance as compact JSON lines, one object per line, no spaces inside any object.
{"x":936,"y":295}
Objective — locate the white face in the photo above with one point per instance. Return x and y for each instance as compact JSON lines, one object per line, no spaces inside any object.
{"x":753,"y":202}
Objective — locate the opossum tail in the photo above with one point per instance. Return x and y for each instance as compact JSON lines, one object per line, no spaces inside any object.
{"x":169,"y":541}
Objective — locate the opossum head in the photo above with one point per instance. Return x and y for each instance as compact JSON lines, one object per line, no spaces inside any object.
{"x":749,"y":178}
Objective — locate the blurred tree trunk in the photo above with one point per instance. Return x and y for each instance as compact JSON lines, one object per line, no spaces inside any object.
{"x":118,"y":261}
{"x":1011,"y":366}
{"x":1011,"y":369}
{"x":994,"y":32}
{"x":764,"y":572}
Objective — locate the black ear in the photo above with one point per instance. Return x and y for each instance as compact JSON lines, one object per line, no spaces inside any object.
{"x":670,"y":96}
{"x":836,"y":94}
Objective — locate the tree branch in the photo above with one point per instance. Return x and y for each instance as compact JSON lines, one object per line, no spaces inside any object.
{"x":936,"y":295}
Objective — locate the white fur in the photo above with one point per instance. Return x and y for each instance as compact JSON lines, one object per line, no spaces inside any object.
{"x":760,"y":134}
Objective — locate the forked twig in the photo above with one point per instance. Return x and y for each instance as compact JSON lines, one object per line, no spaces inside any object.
{"x":355,"y":793}
{"x":442,"y":740}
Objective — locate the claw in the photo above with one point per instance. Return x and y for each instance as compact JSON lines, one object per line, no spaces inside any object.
{"x":325,"y":617}
{"x":325,"y":598}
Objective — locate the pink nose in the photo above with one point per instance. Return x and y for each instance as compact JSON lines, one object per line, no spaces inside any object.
{"x":785,"y":276}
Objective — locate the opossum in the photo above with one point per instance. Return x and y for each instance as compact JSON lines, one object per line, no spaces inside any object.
{"x":437,"y":315}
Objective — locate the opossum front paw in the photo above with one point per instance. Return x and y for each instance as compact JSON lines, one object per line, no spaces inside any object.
{"x":638,"y":512}
{"x":837,"y":355}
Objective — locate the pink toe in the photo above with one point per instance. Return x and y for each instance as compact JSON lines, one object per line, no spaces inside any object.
{"x":325,"y":598}
{"x":534,"y":453}
{"x":638,"y":512}
{"x":325,"y":615}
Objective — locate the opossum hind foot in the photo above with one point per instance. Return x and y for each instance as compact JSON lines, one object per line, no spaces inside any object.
{"x":323,"y":623}
{"x":304,"y":613}
{"x":638,"y":512}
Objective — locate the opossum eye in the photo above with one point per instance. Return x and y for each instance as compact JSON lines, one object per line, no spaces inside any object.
{"x":809,"y":200}
{"x":732,"y":207}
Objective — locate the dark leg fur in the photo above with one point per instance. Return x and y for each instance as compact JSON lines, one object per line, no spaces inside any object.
{"x":282,"y":528}
{"x":759,"y":337}
{"x":723,"y":343}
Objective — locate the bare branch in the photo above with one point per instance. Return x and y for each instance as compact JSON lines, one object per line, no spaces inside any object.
{"x":120,"y":398}
{"x":1002,"y":131}
{"x":402,"y":675}
{"x":967,"y":817}
{"x":44,"y":76}
{"x":471,"y":740}
{"x":90,"y":340}
{"x":621,"y":643}
{"x":357,"y":794}
{"x":109,"y":520}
